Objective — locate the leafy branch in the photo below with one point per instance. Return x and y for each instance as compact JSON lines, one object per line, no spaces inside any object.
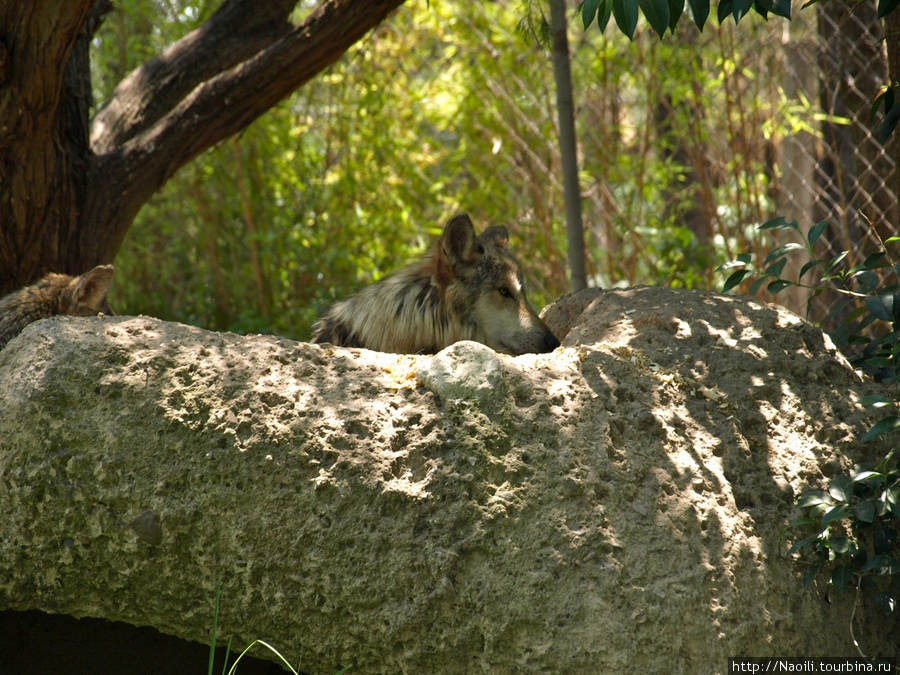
{"x":854,"y":522}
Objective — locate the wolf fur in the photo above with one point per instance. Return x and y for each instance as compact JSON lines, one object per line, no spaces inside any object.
{"x":468,"y":288}
{"x":83,"y":295}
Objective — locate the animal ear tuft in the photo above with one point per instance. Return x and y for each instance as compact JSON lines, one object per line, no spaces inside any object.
{"x":496,"y":235}
{"x":92,"y":287}
{"x":459,"y":244}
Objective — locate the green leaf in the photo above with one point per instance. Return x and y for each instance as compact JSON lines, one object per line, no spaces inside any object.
{"x":884,"y":539}
{"x":835,"y":513}
{"x":737,"y":8}
{"x":868,"y":281}
{"x":883,"y":426}
{"x":724,"y":9}
{"x":784,"y":249}
{"x":756,"y":285}
{"x":876,"y":400}
{"x":657,"y":13}
{"x":777,"y":7}
{"x":676,"y":9}
{"x":882,"y":306}
{"x":735,"y":279}
{"x":807,"y":267}
{"x":885,"y":96}
{"x":885,"y":7}
{"x":626,"y":15}
{"x":891,"y":498}
{"x":814,"y":498}
{"x":871,"y":262}
{"x":779,"y":223}
{"x":803,"y":543}
{"x":775,"y":269}
{"x":841,"y":488}
{"x":841,"y":545}
{"x":731,"y":263}
{"x":816,"y":231}
{"x":889,"y":123}
{"x":879,"y":362}
{"x":865,"y":511}
{"x":884,"y":564}
{"x":589,"y":11}
{"x":835,"y":261}
{"x":699,"y":11}
{"x":811,"y":572}
{"x":778,"y":285}
{"x":840,"y":575}
{"x":871,"y":479}
{"x":604,"y":14}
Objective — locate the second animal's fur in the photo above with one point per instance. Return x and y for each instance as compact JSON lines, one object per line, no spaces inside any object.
{"x":83,"y":295}
{"x":468,"y":288}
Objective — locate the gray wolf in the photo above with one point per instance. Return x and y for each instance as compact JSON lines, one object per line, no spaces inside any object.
{"x":83,"y":295}
{"x":468,"y":288}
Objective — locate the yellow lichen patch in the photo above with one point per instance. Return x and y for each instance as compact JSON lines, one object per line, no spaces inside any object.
{"x":402,"y":372}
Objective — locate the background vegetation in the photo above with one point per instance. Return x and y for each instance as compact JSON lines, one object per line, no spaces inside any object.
{"x":687,"y":144}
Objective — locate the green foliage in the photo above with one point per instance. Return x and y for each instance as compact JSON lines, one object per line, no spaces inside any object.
{"x":351,"y":178}
{"x":663,"y":15}
{"x":852,"y":526}
{"x":870,"y":325}
{"x":449,"y":107}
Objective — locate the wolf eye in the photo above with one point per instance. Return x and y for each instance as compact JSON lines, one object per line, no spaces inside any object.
{"x":505,"y":292}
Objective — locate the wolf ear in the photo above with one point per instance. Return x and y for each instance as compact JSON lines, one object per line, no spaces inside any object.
{"x":92,"y":287}
{"x":496,"y":235}
{"x":458,"y":243}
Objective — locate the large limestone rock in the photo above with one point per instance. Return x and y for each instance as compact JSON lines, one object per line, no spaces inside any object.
{"x":615,"y":506}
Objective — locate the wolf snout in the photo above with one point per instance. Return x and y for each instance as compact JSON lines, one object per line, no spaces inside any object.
{"x":550,"y":342}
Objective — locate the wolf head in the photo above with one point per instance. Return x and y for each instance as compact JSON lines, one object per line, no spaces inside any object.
{"x":85,"y":295}
{"x":481,"y":283}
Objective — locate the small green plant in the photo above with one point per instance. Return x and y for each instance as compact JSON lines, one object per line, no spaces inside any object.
{"x":212,"y":645}
{"x":871,"y":306}
{"x":853,"y":524}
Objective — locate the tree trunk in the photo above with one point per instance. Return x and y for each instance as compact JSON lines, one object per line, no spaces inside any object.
{"x":562,"y":73}
{"x":70,"y":188}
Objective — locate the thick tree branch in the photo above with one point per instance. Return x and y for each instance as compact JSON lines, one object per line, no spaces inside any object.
{"x":215,"y":110}
{"x":238,"y":30}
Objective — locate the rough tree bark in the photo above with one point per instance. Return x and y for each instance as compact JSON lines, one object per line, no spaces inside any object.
{"x":69,"y":187}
